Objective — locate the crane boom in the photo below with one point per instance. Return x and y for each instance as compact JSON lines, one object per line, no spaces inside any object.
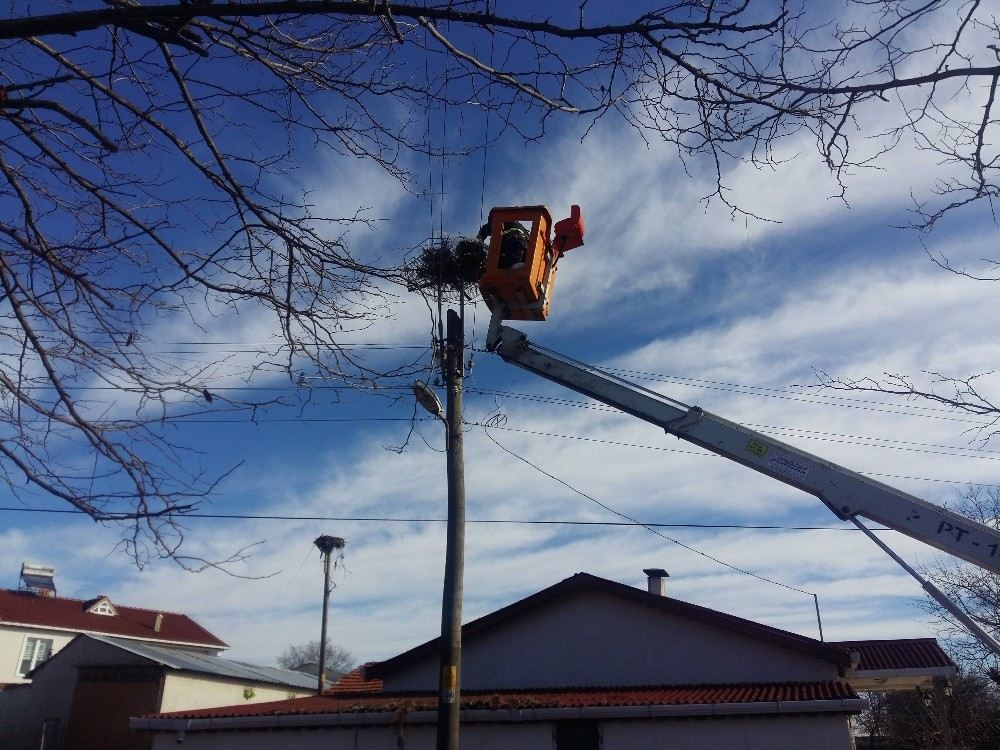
{"x":845,"y":492}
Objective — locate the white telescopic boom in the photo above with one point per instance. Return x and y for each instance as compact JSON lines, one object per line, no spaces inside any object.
{"x":845,"y":492}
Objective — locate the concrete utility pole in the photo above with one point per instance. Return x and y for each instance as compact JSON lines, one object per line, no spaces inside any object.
{"x":449,"y":685}
{"x":326,"y":545}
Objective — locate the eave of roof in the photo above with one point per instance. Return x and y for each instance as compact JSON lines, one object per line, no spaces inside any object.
{"x":524,"y":705}
{"x":94,"y":633}
{"x":585,"y":581}
{"x":899,"y":654}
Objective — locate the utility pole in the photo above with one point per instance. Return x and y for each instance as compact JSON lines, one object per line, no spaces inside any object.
{"x":326,"y":545}
{"x":449,"y":686}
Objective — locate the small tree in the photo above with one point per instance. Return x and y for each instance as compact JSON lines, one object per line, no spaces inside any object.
{"x":304,"y":657}
{"x":912,"y":720}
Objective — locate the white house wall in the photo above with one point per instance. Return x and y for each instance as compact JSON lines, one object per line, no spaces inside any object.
{"x":594,"y":638}
{"x":756,"y":733}
{"x":190,"y":691}
{"x":420,"y":737}
{"x":12,"y":644}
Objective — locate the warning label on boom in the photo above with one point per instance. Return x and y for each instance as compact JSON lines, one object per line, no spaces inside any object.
{"x":789,"y":466}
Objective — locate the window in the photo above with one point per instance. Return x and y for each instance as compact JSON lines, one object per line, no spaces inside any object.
{"x":36,"y":650}
{"x":577,"y":734}
{"x":104,"y":608}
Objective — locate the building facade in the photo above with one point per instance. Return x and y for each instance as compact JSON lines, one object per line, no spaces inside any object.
{"x":585,"y":664}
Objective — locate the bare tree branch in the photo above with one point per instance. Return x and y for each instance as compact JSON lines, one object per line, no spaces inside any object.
{"x":146,"y":150}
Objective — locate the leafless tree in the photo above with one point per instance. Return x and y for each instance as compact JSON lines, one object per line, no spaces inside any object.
{"x":975,"y":590}
{"x":304,"y":657}
{"x":147,"y":151}
{"x":969,"y":394}
{"x":914,"y":719}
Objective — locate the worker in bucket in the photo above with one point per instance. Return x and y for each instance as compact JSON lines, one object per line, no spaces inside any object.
{"x":513,"y":244}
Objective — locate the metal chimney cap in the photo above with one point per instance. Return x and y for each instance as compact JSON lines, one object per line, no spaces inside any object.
{"x":656,"y":572}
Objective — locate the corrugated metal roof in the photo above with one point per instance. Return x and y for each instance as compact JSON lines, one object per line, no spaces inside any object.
{"x":207,"y":664}
{"x":26,"y":608}
{"x":898,"y":653}
{"x":677,"y":695}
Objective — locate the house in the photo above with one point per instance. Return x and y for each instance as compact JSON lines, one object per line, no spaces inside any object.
{"x":35,"y":624}
{"x":583,"y":664}
{"x":82,"y":698}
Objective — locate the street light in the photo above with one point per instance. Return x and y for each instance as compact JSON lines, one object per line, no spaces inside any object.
{"x":428,"y":399}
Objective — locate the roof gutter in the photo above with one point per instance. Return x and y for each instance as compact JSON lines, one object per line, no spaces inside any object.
{"x":877,"y":674}
{"x":513,"y":715}
{"x":220,"y":645}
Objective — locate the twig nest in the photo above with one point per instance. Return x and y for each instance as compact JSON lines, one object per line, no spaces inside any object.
{"x":451,"y":264}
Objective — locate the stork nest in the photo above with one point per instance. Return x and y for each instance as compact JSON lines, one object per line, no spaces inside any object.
{"x":449,"y":265}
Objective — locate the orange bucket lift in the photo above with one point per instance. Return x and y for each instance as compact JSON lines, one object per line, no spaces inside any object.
{"x":521,"y":262}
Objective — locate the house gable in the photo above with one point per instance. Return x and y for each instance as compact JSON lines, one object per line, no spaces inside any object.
{"x":587,"y":631}
{"x":102,"y":606}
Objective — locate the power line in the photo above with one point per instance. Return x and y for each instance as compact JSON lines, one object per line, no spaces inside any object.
{"x":834,"y":401}
{"x":258,"y":346}
{"x":482,"y":521}
{"x":807,"y":433}
{"x":764,"y":390}
{"x":705,"y":454}
{"x":645,"y":526}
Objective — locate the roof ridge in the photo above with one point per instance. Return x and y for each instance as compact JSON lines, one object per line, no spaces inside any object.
{"x":787,"y":639}
{"x":94,"y":598}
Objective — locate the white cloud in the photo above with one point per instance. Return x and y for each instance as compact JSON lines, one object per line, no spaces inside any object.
{"x":651,"y":239}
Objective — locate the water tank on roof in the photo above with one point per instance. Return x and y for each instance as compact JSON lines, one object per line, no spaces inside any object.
{"x":39,"y":579}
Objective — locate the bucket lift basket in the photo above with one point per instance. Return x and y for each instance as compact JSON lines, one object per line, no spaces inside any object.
{"x":521,"y":282}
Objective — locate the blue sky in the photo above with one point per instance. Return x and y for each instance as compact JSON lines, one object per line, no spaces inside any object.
{"x":731,"y":314}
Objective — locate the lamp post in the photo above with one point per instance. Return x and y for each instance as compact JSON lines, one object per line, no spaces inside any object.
{"x":449,"y":679}
{"x":326,"y":545}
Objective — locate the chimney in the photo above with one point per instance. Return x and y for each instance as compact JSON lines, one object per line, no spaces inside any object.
{"x":656,"y":580}
{"x":159,"y":622}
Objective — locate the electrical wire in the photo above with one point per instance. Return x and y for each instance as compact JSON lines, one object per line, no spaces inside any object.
{"x":707,"y":454}
{"x":573,"y":403}
{"x":648,"y":527}
{"x":821,"y":399}
{"x":481,"y":521}
{"x":825,"y":436}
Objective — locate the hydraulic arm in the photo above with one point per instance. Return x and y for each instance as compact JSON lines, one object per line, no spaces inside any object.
{"x":847,"y":493}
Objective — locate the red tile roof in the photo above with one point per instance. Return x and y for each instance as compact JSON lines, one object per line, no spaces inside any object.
{"x":676,"y":695}
{"x":899,"y":653}
{"x":585,"y":581}
{"x":30,"y":610}
{"x":355,"y":681}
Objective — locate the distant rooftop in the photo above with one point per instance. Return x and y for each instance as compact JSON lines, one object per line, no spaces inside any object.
{"x":30,"y":610}
{"x":206,"y":664}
